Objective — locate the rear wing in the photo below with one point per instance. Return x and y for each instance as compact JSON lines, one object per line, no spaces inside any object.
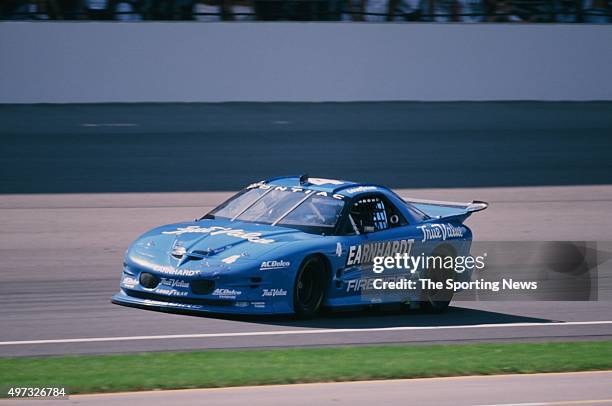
{"x":447,"y":210}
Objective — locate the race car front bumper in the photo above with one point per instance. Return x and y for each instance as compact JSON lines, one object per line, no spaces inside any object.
{"x":132,"y":298}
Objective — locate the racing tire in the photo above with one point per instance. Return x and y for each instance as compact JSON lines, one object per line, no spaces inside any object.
{"x":437,"y":300}
{"x":309,"y":288}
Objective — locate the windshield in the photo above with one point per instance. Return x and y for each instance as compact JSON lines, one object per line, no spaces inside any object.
{"x":293,"y":208}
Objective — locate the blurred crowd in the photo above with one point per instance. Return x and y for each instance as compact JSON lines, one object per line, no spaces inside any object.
{"x":563,"y":11}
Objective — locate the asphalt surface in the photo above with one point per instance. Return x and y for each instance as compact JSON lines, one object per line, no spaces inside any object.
{"x":62,"y":255}
{"x":204,"y":147}
{"x":580,"y":388}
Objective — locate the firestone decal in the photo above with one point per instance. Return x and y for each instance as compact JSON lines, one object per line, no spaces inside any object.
{"x":269,"y":265}
{"x":365,"y":253}
{"x":440,"y":231}
{"x":216,"y":230}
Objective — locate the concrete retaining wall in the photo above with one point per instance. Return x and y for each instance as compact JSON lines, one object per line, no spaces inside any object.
{"x":63,"y":62}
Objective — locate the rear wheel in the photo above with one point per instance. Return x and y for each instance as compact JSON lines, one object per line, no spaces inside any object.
{"x":438,"y":300}
{"x":309,"y":289}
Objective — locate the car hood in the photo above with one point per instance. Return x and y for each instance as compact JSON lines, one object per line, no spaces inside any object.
{"x":216,"y":239}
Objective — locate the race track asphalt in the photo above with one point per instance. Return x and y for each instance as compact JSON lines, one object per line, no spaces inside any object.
{"x":206,"y":147}
{"x":62,"y":257}
{"x":80,"y":182}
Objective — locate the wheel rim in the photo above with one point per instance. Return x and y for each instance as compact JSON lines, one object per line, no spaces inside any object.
{"x":439,"y":297}
{"x":307,"y":287}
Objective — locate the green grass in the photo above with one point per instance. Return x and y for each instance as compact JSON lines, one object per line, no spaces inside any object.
{"x":166,"y":370}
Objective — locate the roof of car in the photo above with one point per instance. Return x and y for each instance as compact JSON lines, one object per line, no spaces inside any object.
{"x":319,"y":184}
{"x":343,"y":187}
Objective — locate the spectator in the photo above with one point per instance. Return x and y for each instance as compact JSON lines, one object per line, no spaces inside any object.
{"x":98,"y":9}
{"x":125,"y":10}
{"x":590,"y":11}
{"x":471,"y":11}
{"x":33,"y":10}
{"x":380,"y":10}
{"x":404,"y":10}
{"x":242,"y":10}
{"x":597,"y":11}
{"x":227,"y":10}
{"x":500,"y":11}
{"x":377,"y":10}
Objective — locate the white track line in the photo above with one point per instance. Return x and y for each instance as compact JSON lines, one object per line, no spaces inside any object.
{"x":299,"y":332}
{"x":557,"y":403}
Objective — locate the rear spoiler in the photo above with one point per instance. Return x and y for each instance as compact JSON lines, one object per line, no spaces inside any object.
{"x":447,"y":210}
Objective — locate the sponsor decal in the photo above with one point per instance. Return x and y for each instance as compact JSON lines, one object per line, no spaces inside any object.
{"x":241,"y":304}
{"x":338,"y":249}
{"x":226,"y":293}
{"x":217,"y":230}
{"x":258,"y":305}
{"x":299,"y":190}
{"x":231,"y":259}
{"x":179,"y":251}
{"x":360,"y":189}
{"x":168,"y":270}
{"x":269,"y":265}
{"x":440,"y":231}
{"x":169,"y":292}
{"x":256,"y":184}
{"x":174,"y":283}
{"x":364,"y":254}
{"x":273,"y":292}
{"x":129,"y":282}
{"x":323,"y":181}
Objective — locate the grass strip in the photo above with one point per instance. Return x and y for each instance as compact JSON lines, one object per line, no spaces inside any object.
{"x":219,"y":368}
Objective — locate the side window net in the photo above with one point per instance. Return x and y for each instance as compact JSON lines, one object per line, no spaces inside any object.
{"x":370,"y":214}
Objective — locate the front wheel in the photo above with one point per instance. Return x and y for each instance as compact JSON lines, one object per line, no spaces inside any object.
{"x":309,"y":288}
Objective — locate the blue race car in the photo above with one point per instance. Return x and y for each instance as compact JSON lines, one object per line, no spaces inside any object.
{"x":293,"y":245}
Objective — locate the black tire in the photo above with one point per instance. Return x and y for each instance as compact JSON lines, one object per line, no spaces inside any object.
{"x":438,"y":300}
{"x":309,"y":287}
